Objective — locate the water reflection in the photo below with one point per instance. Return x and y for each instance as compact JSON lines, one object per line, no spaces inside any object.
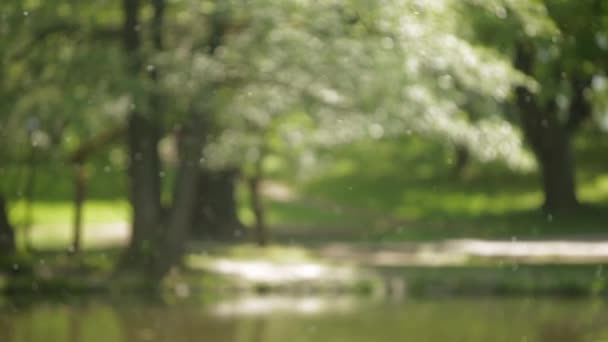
{"x":275,"y":319}
{"x":267,"y":305}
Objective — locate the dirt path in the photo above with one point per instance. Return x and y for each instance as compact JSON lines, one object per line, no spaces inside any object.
{"x":462,"y":251}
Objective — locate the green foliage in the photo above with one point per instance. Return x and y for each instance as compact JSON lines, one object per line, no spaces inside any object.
{"x":358,"y":69}
{"x":55,"y":65}
{"x":565,"y":48}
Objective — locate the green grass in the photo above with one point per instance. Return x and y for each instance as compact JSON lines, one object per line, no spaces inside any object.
{"x":51,"y":225}
{"x":411,"y":183}
{"x":508,"y":279}
{"x":62,"y":212}
{"x":525,"y":224}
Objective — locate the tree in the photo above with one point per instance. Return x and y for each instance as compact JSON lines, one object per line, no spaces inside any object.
{"x":143,"y":135}
{"x":393,"y":70}
{"x":158,"y":240}
{"x":551,"y":137}
{"x":47,"y":108}
{"x":563,"y":53}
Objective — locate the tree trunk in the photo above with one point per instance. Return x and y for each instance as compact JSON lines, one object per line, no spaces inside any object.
{"x":462,"y":157}
{"x":261,"y":233}
{"x":550,"y":137}
{"x":144,"y":163}
{"x":558,"y":176}
{"x":216,"y":208}
{"x":216,"y":215}
{"x":144,"y":172}
{"x":7,"y":234}
{"x":184,"y":199}
{"x":551,"y":145}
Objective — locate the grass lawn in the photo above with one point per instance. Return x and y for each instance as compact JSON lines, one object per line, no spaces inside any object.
{"x":104,"y":223}
{"x":392,"y":190}
{"x":509,"y":279}
{"x":412,"y":185}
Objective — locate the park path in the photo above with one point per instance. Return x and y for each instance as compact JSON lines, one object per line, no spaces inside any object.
{"x":463,"y":251}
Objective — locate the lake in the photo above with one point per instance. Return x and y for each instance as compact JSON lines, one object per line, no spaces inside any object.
{"x":322,"y":319}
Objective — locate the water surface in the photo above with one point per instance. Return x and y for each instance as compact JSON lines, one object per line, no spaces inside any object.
{"x":325,"y":319}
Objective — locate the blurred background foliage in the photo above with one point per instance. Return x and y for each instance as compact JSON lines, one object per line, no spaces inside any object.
{"x":228,"y":155}
{"x":386,"y":120}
